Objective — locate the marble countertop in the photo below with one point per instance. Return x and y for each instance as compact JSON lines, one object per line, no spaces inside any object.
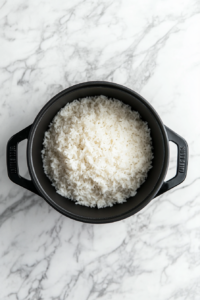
{"x":152,"y":47}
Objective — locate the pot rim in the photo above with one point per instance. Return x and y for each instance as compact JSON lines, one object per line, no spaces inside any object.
{"x":129,"y":212}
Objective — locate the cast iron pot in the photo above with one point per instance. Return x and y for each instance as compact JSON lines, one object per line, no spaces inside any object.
{"x":154,"y":184}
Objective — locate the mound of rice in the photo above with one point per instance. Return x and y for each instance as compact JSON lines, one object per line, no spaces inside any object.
{"x":97,"y":151}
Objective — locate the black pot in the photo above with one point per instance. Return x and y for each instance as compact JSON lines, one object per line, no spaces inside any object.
{"x":153,"y":186}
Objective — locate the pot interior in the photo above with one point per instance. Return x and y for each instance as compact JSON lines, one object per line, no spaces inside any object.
{"x":155,"y":176}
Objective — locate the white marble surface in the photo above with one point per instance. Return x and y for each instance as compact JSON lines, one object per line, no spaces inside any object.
{"x":152,"y":47}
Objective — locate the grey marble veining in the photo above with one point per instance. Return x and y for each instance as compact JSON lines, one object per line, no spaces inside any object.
{"x":151,"y":47}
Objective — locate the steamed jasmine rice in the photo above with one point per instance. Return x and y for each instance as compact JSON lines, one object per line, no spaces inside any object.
{"x":97,"y":152}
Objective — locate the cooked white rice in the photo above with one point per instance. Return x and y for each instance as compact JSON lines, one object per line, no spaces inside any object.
{"x":97,"y":151}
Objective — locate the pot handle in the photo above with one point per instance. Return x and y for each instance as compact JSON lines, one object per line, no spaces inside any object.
{"x":12,"y":160}
{"x":182,"y":162}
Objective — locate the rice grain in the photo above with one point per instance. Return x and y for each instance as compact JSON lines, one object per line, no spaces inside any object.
{"x":97,"y":151}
